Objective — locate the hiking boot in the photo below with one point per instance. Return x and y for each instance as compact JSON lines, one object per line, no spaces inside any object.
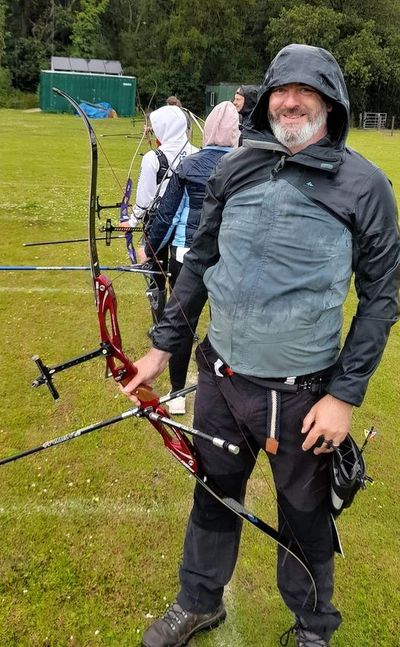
{"x":177,"y":626}
{"x":304,"y":637}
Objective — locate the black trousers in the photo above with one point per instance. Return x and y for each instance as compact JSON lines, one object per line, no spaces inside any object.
{"x":156,"y":291}
{"x":179,"y":362}
{"x":234,"y":408}
{"x":159,"y":280}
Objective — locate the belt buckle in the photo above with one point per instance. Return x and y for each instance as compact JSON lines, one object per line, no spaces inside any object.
{"x":315,"y":385}
{"x":290,"y":380}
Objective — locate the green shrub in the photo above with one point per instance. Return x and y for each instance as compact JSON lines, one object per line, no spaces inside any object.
{"x":21,"y":100}
{"x":5,"y":86}
{"x":11,"y":98}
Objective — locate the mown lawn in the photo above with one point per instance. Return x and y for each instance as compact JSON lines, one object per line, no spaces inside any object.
{"x":91,"y":531}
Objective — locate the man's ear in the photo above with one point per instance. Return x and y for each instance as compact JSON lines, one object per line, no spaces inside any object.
{"x":329,"y":107}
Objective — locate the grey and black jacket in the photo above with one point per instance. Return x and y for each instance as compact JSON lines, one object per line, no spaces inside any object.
{"x":279,"y":239}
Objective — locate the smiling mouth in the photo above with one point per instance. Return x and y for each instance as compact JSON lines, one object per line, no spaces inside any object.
{"x":297,"y":116}
{"x":292,"y":121}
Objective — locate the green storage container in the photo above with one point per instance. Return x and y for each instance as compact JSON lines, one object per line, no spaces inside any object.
{"x":217,"y":92}
{"x":120,"y":91}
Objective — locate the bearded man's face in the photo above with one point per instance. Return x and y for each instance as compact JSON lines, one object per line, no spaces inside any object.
{"x":298,"y":115}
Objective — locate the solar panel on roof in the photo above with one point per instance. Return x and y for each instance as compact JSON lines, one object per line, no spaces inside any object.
{"x":93,"y":66}
{"x":113,"y":67}
{"x":61,"y":63}
{"x":79,"y":64}
{"x":96,"y":65}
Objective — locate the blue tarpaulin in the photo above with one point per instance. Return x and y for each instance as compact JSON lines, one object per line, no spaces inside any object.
{"x":99,"y":110}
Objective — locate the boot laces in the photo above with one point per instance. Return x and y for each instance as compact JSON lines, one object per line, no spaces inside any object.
{"x":174,"y":615}
{"x":284,"y":639}
{"x":304,"y":637}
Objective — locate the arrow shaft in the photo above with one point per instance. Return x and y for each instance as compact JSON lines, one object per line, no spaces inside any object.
{"x":89,"y":428}
{"x":71,"y":436}
{"x":63,"y":242}
{"x":72,"y":268}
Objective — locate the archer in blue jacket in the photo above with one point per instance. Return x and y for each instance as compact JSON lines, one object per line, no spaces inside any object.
{"x":178,"y":215}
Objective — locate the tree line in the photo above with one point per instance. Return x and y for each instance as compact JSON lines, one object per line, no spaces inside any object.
{"x":178,"y":46}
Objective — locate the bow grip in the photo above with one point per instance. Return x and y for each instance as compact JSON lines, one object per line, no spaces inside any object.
{"x":144,"y":393}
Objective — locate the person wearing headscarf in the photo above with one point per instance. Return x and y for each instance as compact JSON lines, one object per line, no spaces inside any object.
{"x":178,"y":215}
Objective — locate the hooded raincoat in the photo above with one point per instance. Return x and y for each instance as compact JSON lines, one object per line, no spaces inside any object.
{"x":169,"y":125}
{"x":279,"y":239}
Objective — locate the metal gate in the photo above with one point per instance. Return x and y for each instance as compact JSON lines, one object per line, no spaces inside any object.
{"x":375,"y":120}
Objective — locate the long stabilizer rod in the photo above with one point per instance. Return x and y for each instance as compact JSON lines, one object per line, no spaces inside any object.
{"x":133,"y":412}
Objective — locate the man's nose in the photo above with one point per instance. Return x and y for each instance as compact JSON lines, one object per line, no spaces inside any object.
{"x":291,"y":99}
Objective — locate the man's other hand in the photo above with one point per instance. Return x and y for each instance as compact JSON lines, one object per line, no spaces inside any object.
{"x":329,"y":418}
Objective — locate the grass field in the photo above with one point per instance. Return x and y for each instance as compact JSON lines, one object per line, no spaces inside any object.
{"x":91,"y":531}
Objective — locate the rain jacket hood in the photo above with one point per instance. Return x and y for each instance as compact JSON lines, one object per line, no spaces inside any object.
{"x":250,"y":93}
{"x":312,"y":66}
{"x":169,"y":125}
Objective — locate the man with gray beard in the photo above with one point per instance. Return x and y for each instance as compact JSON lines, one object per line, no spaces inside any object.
{"x":298,"y":114}
{"x":287,"y":220}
